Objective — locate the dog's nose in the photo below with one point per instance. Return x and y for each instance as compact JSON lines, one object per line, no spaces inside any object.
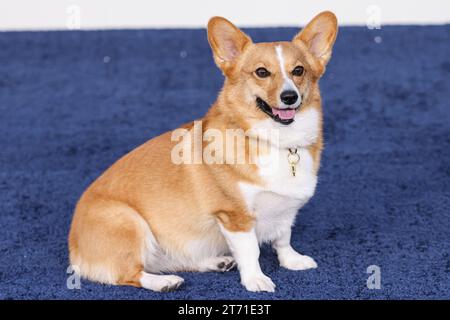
{"x":289,"y":97}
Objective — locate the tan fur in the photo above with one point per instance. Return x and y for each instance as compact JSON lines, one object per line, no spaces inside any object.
{"x":145,"y":194}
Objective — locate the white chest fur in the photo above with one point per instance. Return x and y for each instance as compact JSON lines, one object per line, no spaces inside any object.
{"x":276,"y":202}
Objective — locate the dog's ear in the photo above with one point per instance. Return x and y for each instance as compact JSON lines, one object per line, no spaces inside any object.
{"x":319,"y":36}
{"x":227,"y":42}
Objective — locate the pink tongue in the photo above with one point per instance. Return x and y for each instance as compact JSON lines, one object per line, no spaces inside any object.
{"x":284,"y":114}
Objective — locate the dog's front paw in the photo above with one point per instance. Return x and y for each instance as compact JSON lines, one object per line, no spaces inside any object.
{"x":258,"y":283}
{"x":298,"y":262}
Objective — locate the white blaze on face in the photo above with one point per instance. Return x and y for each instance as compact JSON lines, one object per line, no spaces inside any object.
{"x":288,"y":83}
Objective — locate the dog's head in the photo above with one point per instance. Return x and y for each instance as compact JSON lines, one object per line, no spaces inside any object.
{"x":277,"y":77}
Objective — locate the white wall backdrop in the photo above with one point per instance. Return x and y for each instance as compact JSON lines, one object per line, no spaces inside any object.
{"x":112,"y":14}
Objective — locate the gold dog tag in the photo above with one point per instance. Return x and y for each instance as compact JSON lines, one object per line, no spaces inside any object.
{"x":293,"y":159}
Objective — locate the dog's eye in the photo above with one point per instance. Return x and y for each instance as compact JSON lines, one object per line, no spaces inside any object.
{"x":298,"y":71}
{"x":262,"y":72}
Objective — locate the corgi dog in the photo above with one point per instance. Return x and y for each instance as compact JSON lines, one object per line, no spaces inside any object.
{"x":149,"y":215}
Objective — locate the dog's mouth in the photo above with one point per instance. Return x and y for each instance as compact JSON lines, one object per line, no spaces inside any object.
{"x":283,"y":116}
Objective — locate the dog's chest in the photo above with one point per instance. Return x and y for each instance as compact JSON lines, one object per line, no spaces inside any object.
{"x":276,"y":202}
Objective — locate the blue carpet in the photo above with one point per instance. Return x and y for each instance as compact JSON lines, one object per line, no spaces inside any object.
{"x":71,"y":103}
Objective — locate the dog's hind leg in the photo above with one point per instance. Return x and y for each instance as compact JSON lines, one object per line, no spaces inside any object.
{"x":219,"y":264}
{"x":162,"y":283}
{"x":108,"y":243}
